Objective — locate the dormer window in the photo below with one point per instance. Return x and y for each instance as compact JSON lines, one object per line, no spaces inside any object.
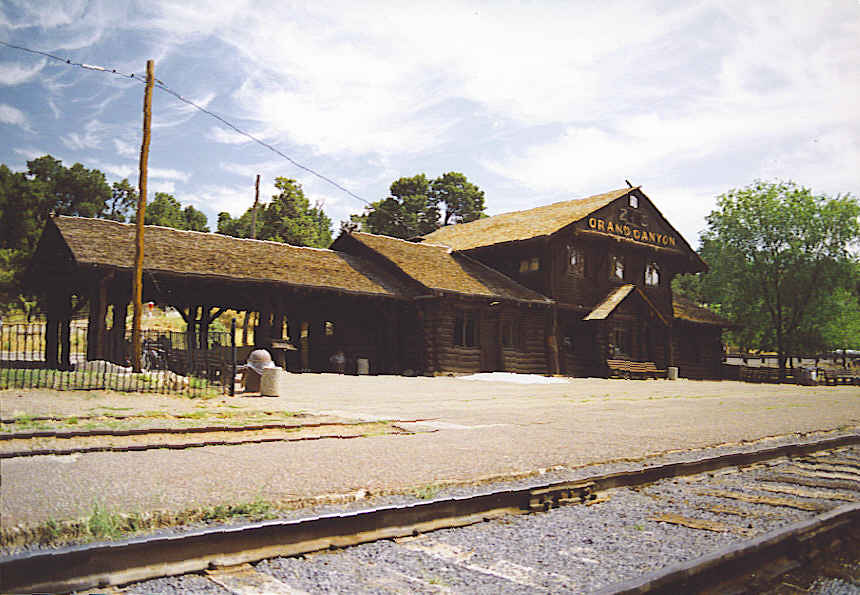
{"x":575,"y":262}
{"x":652,"y":275}
{"x":634,"y":201}
{"x":529,"y":265}
{"x":616,"y":267}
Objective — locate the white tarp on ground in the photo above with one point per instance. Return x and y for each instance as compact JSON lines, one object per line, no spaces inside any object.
{"x":515,"y":378}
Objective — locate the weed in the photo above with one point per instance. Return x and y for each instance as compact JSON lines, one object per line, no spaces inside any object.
{"x":103,"y":524}
{"x":639,"y":527}
{"x":52,"y":528}
{"x":256,"y":509}
{"x":427,"y":492}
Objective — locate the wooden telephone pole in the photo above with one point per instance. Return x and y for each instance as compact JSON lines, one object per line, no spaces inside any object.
{"x":253,"y":237}
{"x":137,"y":278}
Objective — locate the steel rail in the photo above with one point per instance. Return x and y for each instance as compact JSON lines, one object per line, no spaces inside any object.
{"x":114,"y":563}
{"x":735,"y":568}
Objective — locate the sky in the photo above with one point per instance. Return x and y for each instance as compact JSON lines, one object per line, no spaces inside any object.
{"x":535,"y":102}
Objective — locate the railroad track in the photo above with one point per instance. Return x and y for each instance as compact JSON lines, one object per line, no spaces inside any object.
{"x":742,"y":511}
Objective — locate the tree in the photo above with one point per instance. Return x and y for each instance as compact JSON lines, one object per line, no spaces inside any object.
{"x":167,"y":211}
{"x":413,"y":208}
{"x":287,"y":218}
{"x":463,"y":200}
{"x":123,"y":202}
{"x":28,"y":198}
{"x":779,"y":257}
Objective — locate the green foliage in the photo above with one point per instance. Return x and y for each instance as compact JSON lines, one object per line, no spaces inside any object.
{"x":288,"y":218}
{"x":122,"y":205}
{"x":166,"y":211}
{"x":414,"y":207}
{"x":783,"y":266}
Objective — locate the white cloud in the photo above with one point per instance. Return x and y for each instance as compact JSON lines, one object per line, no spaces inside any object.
{"x":124,"y":149}
{"x":15,"y":73}
{"x":12,"y":115}
{"x":217,"y":198}
{"x":29,"y":153}
{"x":91,"y":137}
{"x":167,"y":174}
{"x":162,"y":186}
{"x":227,"y":136}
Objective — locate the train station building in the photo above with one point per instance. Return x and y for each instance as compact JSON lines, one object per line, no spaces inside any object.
{"x":569,"y":288}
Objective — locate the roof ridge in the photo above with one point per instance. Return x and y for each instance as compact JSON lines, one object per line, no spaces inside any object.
{"x":194,"y":231}
{"x":410,"y":242}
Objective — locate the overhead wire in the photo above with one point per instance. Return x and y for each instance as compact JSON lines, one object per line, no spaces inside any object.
{"x":163,"y":87}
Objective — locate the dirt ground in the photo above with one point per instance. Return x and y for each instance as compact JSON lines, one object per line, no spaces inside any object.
{"x":464,"y":430}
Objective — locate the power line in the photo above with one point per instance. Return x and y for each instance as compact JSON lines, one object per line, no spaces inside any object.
{"x":162,"y":86}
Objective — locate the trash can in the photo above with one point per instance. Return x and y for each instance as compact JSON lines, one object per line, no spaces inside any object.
{"x":672,"y":373}
{"x":362,"y":366}
{"x":273,"y":383}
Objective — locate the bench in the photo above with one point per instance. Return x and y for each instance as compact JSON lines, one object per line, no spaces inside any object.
{"x":627,"y":369}
{"x":837,"y":377}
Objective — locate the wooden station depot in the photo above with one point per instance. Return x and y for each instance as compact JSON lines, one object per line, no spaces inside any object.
{"x":581,"y":288}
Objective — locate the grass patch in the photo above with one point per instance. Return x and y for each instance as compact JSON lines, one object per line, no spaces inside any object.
{"x":104,"y":525}
{"x":427,"y":492}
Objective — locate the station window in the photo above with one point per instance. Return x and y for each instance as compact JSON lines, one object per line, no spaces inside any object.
{"x":528,"y":265}
{"x":575,"y":262}
{"x":328,"y":328}
{"x":634,"y":201}
{"x":466,"y":329}
{"x":619,"y":341}
{"x":652,"y":274}
{"x":616,"y":267}
{"x":508,"y":333}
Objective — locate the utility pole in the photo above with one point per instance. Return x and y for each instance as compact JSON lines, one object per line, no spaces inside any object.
{"x":253,"y":237}
{"x":137,"y":278}
{"x":254,"y":211}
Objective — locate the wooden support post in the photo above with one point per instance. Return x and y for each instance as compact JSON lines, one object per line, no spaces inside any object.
{"x":66,"y":332}
{"x":96,"y":322}
{"x":52,"y":325}
{"x":117,"y":333}
{"x":551,"y":330}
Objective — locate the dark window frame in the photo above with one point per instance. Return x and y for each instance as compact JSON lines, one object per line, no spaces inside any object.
{"x":466,"y":329}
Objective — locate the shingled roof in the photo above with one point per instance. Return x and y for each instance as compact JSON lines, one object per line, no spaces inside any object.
{"x":438,"y":268}
{"x":99,"y":242}
{"x":521,"y":225}
{"x":687,"y":310}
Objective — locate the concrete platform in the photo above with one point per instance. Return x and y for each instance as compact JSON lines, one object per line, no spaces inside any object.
{"x":471,"y":429}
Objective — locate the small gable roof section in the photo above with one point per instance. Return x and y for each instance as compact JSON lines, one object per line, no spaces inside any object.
{"x":521,"y":225}
{"x":613,"y":300}
{"x":689,"y":311}
{"x":103,"y":243}
{"x":439,"y":269}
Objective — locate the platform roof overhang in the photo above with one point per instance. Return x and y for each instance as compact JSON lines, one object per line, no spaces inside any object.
{"x":73,"y":245}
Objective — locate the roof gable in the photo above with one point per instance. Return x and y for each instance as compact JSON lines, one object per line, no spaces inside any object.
{"x":100,"y":242}
{"x":614,"y":299}
{"x":643,"y":224}
{"x":438,"y":268}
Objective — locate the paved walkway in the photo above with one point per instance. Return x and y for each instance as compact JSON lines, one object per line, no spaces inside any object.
{"x":474,"y":429}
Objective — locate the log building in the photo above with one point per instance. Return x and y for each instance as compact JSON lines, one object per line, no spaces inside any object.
{"x":563,"y":288}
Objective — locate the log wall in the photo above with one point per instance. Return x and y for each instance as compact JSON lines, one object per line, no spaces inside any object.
{"x":698,"y":351}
